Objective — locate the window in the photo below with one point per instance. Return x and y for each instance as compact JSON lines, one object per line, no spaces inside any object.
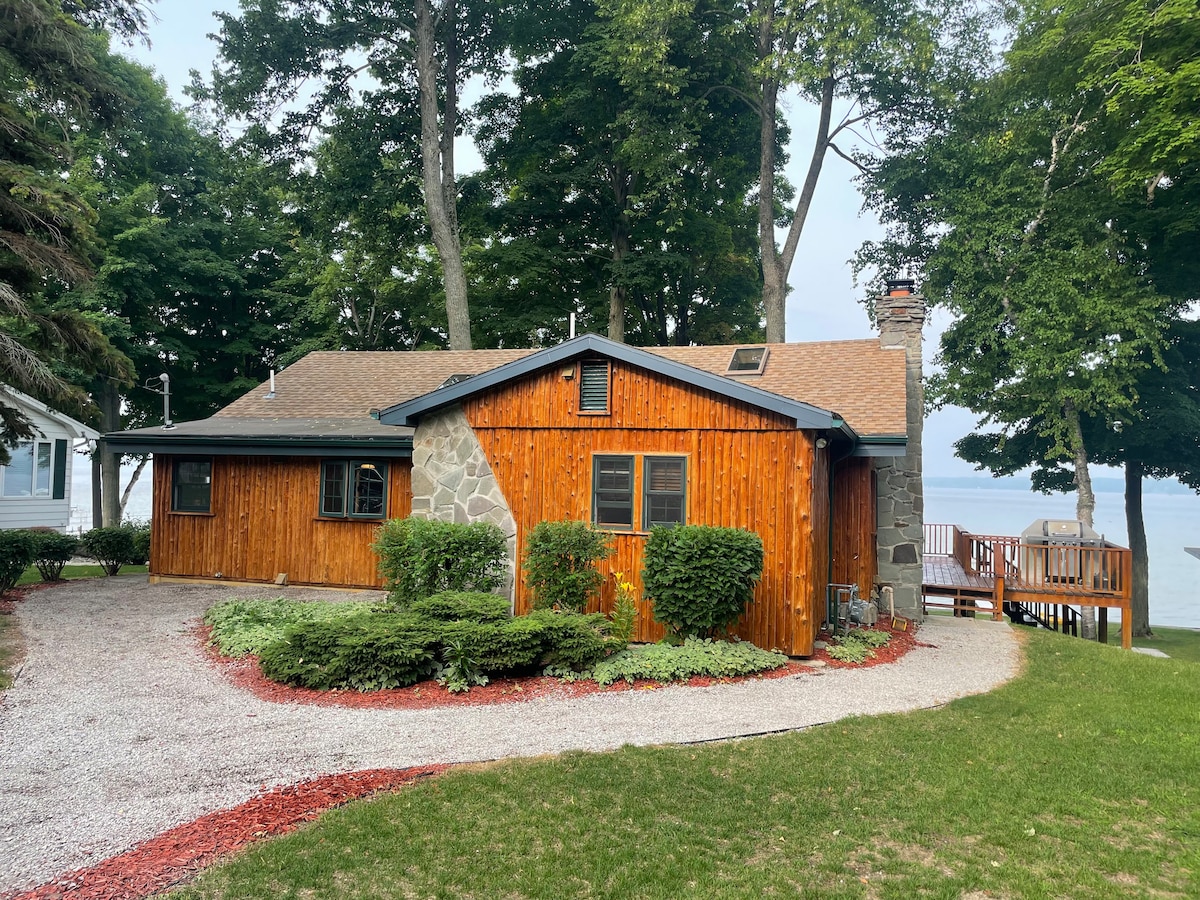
{"x":747,"y":361}
{"x":353,"y":489}
{"x":612,"y":478}
{"x":665,"y":491}
{"x":663,"y":487}
{"x":28,"y":471}
{"x":593,"y":386}
{"x":191,"y":485}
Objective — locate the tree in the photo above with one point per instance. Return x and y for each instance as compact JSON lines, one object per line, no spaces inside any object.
{"x":419,"y":55}
{"x":51,"y":84}
{"x":1021,"y":218}
{"x":607,"y":196}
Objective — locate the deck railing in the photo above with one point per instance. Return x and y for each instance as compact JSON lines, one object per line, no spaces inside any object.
{"x":1065,"y":569}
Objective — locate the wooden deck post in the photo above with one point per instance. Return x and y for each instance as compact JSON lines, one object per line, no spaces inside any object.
{"x":1126,"y":627}
{"x":998,"y":609}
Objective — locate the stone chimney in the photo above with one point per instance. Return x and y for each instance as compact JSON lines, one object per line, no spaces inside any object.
{"x":900,"y":315}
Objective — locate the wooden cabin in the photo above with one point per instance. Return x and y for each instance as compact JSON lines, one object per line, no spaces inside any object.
{"x":35,"y":486}
{"x":781,"y":439}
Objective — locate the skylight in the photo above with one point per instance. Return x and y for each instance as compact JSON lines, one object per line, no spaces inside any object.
{"x":747,"y":361}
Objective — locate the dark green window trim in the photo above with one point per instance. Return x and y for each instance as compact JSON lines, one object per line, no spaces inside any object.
{"x":594,"y":380}
{"x":191,"y":484}
{"x":664,"y":491}
{"x":353,"y":489}
{"x":61,"y":450}
{"x":612,"y":492}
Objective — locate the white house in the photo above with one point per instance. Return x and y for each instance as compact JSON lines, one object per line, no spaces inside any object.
{"x":35,"y":487}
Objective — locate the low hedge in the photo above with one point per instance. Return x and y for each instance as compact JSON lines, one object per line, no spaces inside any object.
{"x":16,"y":555}
{"x":327,"y":645}
{"x":52,"y":550}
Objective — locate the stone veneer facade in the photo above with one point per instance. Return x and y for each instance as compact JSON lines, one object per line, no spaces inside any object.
{"x":452,"y":480}
{"x":901,"y":499}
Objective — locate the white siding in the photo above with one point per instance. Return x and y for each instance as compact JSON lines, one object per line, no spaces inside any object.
{"x":29,"y":512}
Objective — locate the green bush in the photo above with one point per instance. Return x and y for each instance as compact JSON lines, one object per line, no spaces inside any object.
{"x":368,"y":653}
{"x":51,"y":551}
{"x":661,"y":662}
{"x":249,"y":626}
{"x":701,"y":577}
{"x":16,"y":555}
{"x":573,"y":641}
{"x":423,"y":557}
{"x":141,"y":542}
{"x":112,"y":547}
{"x":497,"y":648}
{"x":451,"y":606}
{"x":560,"y":564}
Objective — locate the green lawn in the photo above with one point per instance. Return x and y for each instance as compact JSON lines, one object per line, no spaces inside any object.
{"x":1177,"y":643}
{"x":1079,"y":779}
{"x":70,"y":573}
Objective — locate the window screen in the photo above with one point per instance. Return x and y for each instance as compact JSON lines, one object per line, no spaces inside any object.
{"x":612,"y":500}
{"x":191,"y":485}
{"x":665,"y":491}
{"x":593,"y":386}
{"x":369,"y":490}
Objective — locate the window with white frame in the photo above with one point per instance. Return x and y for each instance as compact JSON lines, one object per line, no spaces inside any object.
{"x":28,"y":473}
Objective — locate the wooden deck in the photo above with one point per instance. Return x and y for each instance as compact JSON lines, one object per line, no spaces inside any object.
{"x":974,"y":574}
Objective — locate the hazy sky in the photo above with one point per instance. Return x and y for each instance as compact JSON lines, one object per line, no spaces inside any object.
{"x":824,"y":303}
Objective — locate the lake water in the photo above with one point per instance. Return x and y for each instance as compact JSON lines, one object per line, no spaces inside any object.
{"x":1172,"y":522}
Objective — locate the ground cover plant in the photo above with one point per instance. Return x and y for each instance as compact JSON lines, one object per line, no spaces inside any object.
{"x":857,"y":645}
{"x":695,"y":656}
{"x":1029,"y":791}
{"x":250,"y":626}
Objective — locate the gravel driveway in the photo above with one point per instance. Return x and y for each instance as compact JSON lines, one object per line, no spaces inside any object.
{"x":118,"y":729}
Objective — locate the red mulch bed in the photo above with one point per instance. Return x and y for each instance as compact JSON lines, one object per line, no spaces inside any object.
{"x":246,"y":674}
{"x":176,"y":855}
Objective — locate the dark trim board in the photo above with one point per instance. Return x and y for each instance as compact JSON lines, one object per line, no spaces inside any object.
{"x":345,"y":448}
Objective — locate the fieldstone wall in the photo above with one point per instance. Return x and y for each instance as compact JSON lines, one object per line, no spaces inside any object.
{"x":452,"y":480}
{"x":901,"y":499}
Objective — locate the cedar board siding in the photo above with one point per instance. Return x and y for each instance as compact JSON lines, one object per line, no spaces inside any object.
{"x":745,"y":469}
{"x":264,"y":521}
{"x":855,"y":551}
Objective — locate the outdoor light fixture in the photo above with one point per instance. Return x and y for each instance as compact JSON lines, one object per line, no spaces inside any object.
{"x":822,"y":443}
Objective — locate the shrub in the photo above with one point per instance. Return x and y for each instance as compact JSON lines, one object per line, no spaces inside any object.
{"x":423,"y":557}
{"x":497,"y":647}
{"x":51,"y":551}
{"x":560,"y":564}
{"x":451,"y":606}
{"x":369,"y":653}
{"x":141,"y":542}
{"x":16,"y":555}
{"x":624,"y":612}
{"x":661,"y":662}
{"x":701,"y":577}
{"x":459,"y":671}
{"x":249,"y":626}
{"x":573,"y":641}
{"x":112,"y":547}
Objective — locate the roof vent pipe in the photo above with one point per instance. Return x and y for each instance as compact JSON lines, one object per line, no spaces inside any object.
{"x":572,"y":332}
{"x":271,"y":393}
{"x":166,"y":392}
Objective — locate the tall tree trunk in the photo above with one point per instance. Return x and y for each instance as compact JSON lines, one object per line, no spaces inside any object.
{"x":778,"y":264}
{"x":437,"y":166}
{"x":108,"y":399}
{"x":97,"y":489}
{"x":1135,"y":525}
{"x":618,"y":294}
{"x":1085,"y":502}
{"x":133,"y":480}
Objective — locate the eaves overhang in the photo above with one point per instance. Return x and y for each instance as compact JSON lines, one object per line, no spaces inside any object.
{"x":881,"y":445}
{"x":806,"y":416}
{"x":234,"y":445}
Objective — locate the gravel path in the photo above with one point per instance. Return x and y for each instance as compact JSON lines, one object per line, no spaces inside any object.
{"x":118,"y":729}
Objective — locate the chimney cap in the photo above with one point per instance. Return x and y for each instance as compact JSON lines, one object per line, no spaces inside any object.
{"x":900,"y":287}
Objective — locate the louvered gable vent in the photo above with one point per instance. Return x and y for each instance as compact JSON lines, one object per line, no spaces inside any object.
{"x":593,"y":386}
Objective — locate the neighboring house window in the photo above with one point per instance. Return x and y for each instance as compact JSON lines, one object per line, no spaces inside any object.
{"x":28,"y":471}
{"x":612,"y":501}
{"x":353,"y":488}
{"x":593,"y":386}
{"x":191,"y":485}
{"x":665,"y":490}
